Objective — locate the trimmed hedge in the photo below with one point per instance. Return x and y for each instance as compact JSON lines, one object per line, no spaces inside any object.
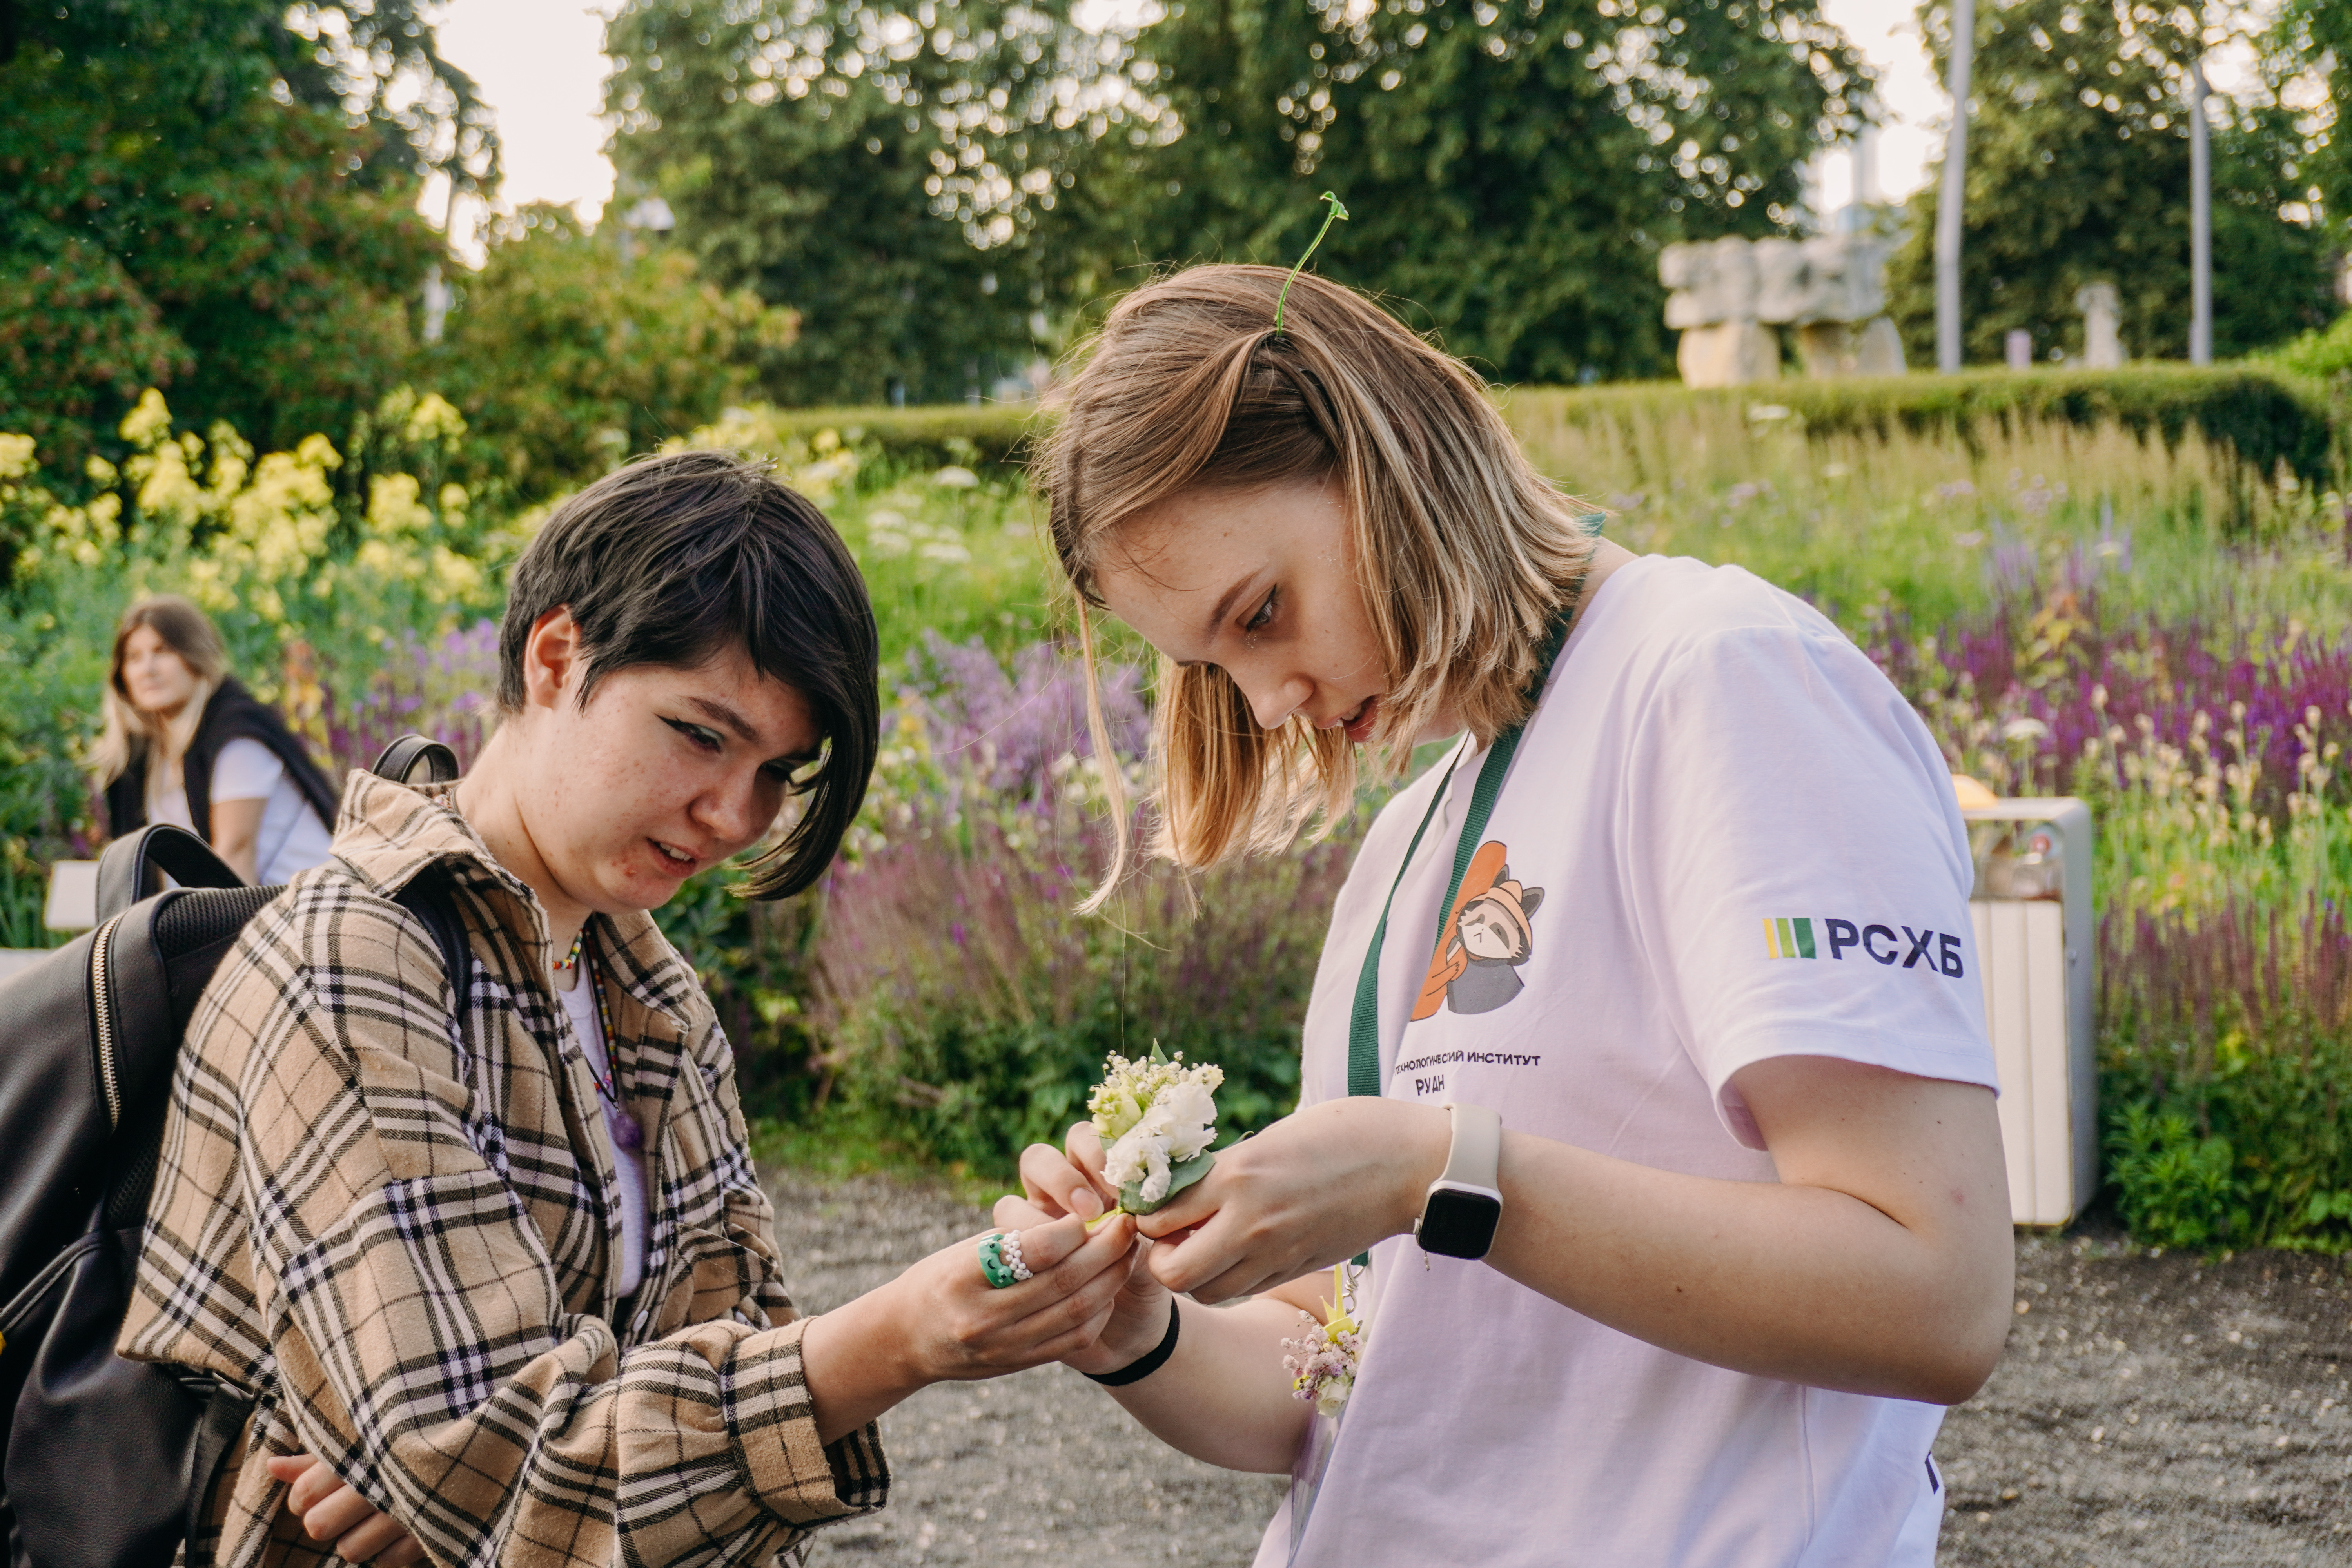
{"x":2266,"y":416}
{"x":976,"y":434}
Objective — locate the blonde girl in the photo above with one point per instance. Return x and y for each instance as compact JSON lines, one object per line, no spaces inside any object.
{"x":186,"y":744}
{"x":1744,"y":1231}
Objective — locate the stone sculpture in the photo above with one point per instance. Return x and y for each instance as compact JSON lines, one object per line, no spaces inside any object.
{"x":1730,"y":296}
{"x":2103,"y":345}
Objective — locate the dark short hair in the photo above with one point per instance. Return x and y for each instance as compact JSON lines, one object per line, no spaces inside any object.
{"x":674,"y":559}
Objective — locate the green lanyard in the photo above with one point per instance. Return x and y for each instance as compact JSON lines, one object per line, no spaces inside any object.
{"x":1364,"y":1024}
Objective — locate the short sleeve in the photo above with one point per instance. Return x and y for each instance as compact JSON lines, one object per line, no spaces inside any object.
{"x":246,"y":770}
{"x":1797,"y":865}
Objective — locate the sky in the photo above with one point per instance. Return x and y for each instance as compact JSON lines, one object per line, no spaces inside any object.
{"x":540,"y":64}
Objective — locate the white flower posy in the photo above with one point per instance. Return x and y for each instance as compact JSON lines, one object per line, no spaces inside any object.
{"x":1157,"y":1118}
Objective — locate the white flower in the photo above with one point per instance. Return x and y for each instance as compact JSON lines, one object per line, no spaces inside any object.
{"x":1178,"y":1124}
{"x":1155,"y":1115}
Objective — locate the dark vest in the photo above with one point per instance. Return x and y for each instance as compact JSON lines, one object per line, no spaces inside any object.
{"x":232,"y":715}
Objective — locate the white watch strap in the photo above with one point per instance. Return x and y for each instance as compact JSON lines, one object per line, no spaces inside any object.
{"x":1476,"y":1157}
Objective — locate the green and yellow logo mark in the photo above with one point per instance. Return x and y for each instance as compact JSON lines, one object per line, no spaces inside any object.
{"x":1787,"y":938}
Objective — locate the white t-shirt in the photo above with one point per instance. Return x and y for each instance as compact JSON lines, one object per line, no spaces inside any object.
{"x":291,"y":839}
{"x":579,"y":1006}
{"x":1725,"y":837}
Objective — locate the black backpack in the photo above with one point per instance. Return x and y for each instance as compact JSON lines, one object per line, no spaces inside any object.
{"x":107,"y":1463}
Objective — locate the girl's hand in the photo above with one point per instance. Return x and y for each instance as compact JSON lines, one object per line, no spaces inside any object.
{"x":1060,"y":1185}
{"x":942,"y":1322}
{"x":1314,"y":1188}
{"x":959,"y":1327}
{"x":330,"y":1510}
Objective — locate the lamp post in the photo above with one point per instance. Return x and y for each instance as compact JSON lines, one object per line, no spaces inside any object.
{"x":1955,"y":193}
{"x":2201,"y":219}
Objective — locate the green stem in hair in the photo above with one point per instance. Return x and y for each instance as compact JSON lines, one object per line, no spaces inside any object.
{"x":1338,"y":210}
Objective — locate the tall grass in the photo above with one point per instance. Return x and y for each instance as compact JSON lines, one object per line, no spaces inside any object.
{"x":1938,"y":526}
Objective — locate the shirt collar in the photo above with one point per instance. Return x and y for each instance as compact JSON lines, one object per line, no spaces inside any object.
{"x":388,"y":833}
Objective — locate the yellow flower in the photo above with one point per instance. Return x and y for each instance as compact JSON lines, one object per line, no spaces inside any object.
{"x":393,"y":506}
{"x":457,"y":576}
{"x":15,"y":456}
{"x":434,"y":420}
{"x":167,"y":490}
{"x":149,"y":423}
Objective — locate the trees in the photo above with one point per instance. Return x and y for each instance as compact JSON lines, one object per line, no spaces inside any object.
{"x":565,"y":354}
{"x":1511,"y":168}
{"x":923,"y":180}
{"x":2315,"y":36}
{"x":876,"y":168}
{"x":2078,"y":172}
{"x":219,"y":195}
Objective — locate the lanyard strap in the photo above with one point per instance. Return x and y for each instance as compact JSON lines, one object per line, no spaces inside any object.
{"x":1364,"y":1023}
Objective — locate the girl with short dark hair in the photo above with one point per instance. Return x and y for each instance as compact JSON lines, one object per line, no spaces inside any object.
{"x":495,"y":1268}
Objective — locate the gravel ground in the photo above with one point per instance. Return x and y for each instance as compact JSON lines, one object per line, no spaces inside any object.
{"x":1041,"y":1462}
{"x":2151,"y":1410}
{"x":2159,"y":1409}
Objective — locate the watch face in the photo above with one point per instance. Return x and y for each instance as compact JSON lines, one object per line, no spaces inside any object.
{"x":1459,"y":1225}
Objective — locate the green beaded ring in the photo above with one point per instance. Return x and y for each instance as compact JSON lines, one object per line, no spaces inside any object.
{"x":992,"y":1267}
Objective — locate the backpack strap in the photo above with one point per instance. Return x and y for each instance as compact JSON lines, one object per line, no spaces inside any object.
{"x":400,"y":759}
{"x":431,"y":896}
{"x":133,"y":867}
{"x":226,"y":1410}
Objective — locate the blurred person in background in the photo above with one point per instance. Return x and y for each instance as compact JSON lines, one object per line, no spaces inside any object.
{"x":187,"y":744}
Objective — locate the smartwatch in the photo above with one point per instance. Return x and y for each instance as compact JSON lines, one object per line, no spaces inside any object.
{"x":1463,"y":1205}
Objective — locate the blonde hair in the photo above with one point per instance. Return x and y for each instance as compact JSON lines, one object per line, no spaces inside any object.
{"x":186,"y":631}
{"x":1464,"y":552}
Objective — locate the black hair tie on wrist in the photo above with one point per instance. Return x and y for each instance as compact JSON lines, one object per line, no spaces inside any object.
{"x":1151,"y":1361}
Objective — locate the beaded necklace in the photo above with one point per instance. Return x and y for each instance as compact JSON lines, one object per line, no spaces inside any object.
{"x":628,"y":1134}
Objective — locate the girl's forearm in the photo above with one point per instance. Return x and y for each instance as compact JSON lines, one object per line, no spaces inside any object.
{"x":1223,"y":1398}
{"x":1880,"y":1262}
{"x":1901,"y":1292}
{"x":852,"y":1359}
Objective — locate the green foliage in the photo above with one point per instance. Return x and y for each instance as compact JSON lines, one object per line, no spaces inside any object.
{"x":2174,"y":1186}
{"x":22,"y":893}
{"x":1444,"y":127}
{"x":2265,"y":417}
{"x":2321,"y":354}
{"x":2315,"y":36}
{"x":2270,"y":420}
{"x":983,"y":437}
{"x":843,"y":160}
{"x":2078,"y":172}
{"x":966,"y":1005}
{"x":2255,"y":1155}
{"x":566,"y":353}
{"x":204,"y":194}
{"x":939,"y":188}
{"x":956,"y":551}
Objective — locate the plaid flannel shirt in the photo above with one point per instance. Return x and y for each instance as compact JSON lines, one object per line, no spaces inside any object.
{"x":395,"y":1222}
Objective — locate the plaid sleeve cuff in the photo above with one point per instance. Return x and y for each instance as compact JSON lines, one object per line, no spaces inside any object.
{"x":767,"y":1407}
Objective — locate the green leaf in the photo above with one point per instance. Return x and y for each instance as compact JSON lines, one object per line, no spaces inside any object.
{"x":1179,"y":1176}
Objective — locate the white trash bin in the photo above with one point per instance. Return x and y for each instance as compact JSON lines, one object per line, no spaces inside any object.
{"x":73,"y":896}
{"x":2037,"y":944}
